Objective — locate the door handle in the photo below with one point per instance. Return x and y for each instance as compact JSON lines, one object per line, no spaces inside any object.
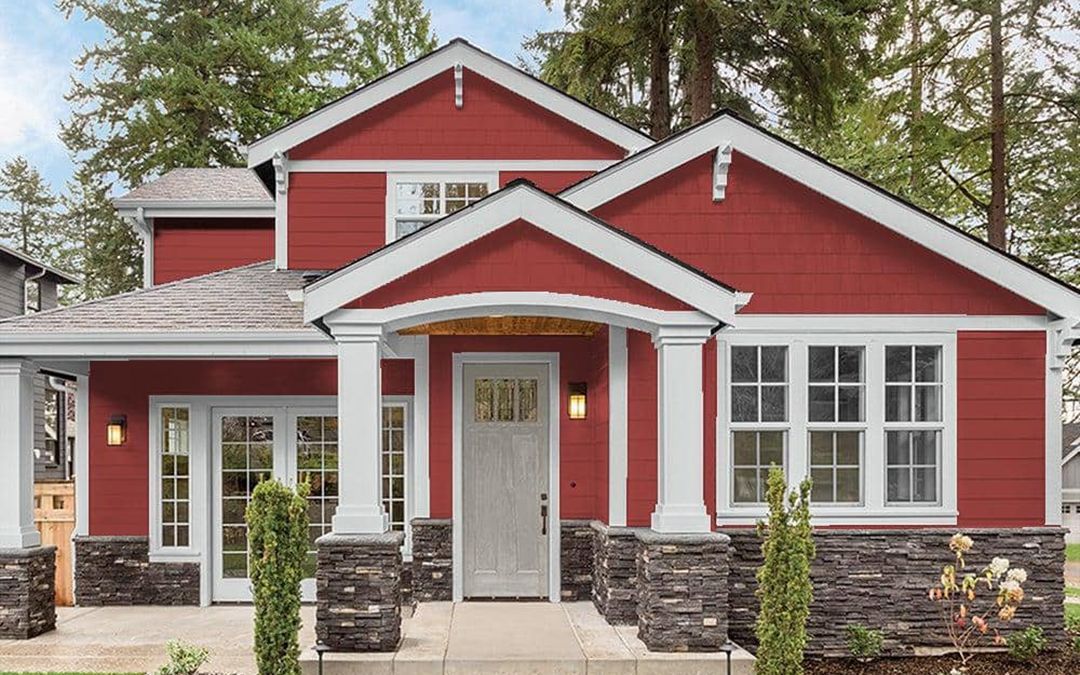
{"x":543,"y":519}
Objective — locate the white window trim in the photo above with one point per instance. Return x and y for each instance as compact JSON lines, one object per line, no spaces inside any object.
{"x":873,"y":510}
{"x":491,"y":178}
{"x":198,"y":497}
{"x":406,"y":401}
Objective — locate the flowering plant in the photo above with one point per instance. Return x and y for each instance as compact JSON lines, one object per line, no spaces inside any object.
{"x":973,"y":605}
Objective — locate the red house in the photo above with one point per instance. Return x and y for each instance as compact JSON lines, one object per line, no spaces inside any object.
{"x":519,"y":349}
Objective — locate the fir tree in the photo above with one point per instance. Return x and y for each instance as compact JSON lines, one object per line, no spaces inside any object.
{"x":27,"y":219}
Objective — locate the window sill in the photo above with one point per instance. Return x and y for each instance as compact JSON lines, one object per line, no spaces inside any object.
{"x":178,"y":556}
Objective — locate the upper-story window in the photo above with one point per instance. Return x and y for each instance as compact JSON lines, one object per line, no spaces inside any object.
{"x":32,"y":294}
{"x":414,"y":201}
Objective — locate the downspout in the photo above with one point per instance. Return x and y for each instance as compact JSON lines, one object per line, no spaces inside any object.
{"x":145,"y":230}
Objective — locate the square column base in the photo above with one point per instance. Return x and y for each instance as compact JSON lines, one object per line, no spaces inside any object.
{"x":682,"y":584}
{"x":27,"y":592}
{"x":614,"y":590}
{"x":358,"y":585}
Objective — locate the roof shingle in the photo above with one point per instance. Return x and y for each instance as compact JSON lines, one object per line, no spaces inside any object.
{"x":202,"y":185}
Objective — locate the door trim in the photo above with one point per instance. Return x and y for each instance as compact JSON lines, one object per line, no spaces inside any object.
{"x":551,"y":360}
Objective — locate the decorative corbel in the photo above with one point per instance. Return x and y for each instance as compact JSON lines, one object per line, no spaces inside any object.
{"x":281,"y":173}
{"x":459,"y":86}
{"x":720,"y":171}
{"x":1064,"y":333}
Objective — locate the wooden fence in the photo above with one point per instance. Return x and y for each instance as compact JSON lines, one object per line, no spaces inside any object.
{"x":54,"y":515}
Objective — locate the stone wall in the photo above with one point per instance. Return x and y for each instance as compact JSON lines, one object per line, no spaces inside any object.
{"x":614,"y":590}
{"x":880,"y":578}
{"x":114,"y":570}
{"x":358,"y":585}
{"x":576,"y":553}
{"x":682,"y":582}
{"x":432,"y":559}
{"x":27,"y":592}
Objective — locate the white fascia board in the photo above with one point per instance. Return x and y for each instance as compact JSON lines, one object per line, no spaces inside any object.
{"x":889,"y":323}
{"x":455,"y":166}
{"x":304,"y":343}
{"x":425,"y":68}
{"x":540,"y":210}
{"x":838,"y":186}
{"x":165,"y":209}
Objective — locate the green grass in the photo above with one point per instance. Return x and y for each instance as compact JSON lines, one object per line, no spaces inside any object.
{"x":1072,"y":592}
{"x":1072,"y":609}
{"x":1072,"y":552}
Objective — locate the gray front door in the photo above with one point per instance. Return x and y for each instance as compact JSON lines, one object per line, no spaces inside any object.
{"x":505,"y":481}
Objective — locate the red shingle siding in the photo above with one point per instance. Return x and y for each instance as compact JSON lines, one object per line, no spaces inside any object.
{"x":423,"y":123}
{"x":1001,"y":428}
{"x":796,"y":250}
{"x":188,"y":247}
{"x":519,"y":257}
{"x":334,"y":218}
{"x":641,"y":428}
{"x":551,"y":182}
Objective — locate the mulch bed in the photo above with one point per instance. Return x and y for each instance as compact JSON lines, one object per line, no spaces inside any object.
{"x":1048,"y":663}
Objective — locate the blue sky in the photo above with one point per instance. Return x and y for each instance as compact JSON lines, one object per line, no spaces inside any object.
{"x":38,"y":48}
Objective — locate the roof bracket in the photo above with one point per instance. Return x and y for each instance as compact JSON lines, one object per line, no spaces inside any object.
{"x":281,"y":174}
{"x":459,"y":86}
{"x":1064,"y":333}
{"x":720,"y":171}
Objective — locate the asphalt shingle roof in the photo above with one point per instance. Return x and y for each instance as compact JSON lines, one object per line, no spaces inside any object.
{"x":202,"y":185}
{"x":250,"y":298}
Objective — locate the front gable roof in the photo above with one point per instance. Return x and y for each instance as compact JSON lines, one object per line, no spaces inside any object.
{"x":522,"y":201}
{"x":457,"y":52}
{"x":726,"y":131}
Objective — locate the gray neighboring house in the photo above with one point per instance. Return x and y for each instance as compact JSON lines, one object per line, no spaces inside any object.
{"x":1070,"y":480}
{"x":28,"y":286}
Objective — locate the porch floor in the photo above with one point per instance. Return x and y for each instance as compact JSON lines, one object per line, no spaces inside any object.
{"x":440,"y":637}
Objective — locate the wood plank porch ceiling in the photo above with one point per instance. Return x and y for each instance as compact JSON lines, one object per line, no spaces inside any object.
{"x":506,"y":325}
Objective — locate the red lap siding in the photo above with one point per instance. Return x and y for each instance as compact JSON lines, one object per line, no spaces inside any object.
{"x":1001,"y":428}
{"x":641,"y":428}
{"x":796,"y":250}
{"x":549,"y":181}
{"x":424,"y":123}
{"x":188,"y":247}
{"x":334,"y":218}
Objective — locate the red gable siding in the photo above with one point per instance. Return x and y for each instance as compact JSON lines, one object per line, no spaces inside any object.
{"x":519,"y":257}
{"x":551,"y":182}
{"x":641,"y":428}
{"x":188,"y":247}
{"x":1001,"y":428}
{"x":796,"y":250}
{"x":423,"y":123}
{"x":335,"y":218}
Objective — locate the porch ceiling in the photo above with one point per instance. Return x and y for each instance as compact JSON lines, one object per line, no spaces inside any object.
{"x":506,"y":325}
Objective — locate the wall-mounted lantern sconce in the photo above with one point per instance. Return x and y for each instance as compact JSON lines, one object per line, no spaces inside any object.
{"x":577,"y":402}
{"x":116,"y":431}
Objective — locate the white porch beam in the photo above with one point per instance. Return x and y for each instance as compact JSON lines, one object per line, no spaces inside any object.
{"x":680,"y":504}
{"x":16,"y":454}
{"x":360,"y":509}
{"x":617,"y":425}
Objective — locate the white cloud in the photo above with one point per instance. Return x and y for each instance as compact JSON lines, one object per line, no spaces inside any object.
{"x":32,"y":85}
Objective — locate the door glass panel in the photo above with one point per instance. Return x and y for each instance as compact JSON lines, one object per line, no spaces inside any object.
{"x":316,"y":465}
{"x":393,"y":459}
{"x":247,"y":458}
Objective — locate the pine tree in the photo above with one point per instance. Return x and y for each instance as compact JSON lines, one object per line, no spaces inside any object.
{"x":397,"y":32}
{"x":28,"y":221}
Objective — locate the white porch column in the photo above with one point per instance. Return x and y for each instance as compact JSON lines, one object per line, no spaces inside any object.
{"x":680,"y":505}
{"x":17,"y":455}
{"x":360,"y":509}
{"x":617,"y":425}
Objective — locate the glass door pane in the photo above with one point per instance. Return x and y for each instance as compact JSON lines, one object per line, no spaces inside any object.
{"x":247,"y":459}
{"x":317,"y":465}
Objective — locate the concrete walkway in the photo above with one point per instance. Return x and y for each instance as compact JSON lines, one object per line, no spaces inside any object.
{"x":489,"y":638}
{"x":440,"y":638}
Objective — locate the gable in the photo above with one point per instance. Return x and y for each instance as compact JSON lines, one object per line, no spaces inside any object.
{"x":518,"y":257}
{"x":797,"y":250}
{"x":424,"y":123}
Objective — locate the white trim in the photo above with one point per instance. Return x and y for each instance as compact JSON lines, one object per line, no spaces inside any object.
{"x":82,"y":456}
{"x":490,"y":178}
{"x":618,"y":418}
{"x":833,"y":183}
{"x":302,"y":343}
{"x":282,"y":166}
{"x":873,"y":508}
{"x":191,"y":209}
{"x":459,"y":86}
{"x":721,"y":165}
{"x":417,"y":347}
{"x":887,"y":323}
{"x":423,"y":69}
{"x":551,"y":360}
{"x":466,"y":305}
{"x":445,"y":165}
{"x":196,"y":501}
{"x":405,"y":401}
{"x":521,"y":202}
{"x":17,"y":529}
{"x":1054,"y":463}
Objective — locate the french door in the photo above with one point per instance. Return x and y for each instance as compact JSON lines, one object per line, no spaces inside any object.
{"x":253,"y":444}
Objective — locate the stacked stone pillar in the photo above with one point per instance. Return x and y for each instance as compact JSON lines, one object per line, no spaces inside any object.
{"x":614,"y":590}
{"x":27,"y":592}
{"x":358,"y":583}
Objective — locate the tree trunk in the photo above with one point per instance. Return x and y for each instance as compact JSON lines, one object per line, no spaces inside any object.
{"x":915,"y":112}
{"x":996,"y":226}
{"x":660,"y":69}
{"x":701,"y":84}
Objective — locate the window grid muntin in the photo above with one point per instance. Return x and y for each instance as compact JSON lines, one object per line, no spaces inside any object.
{"x":234,"y":558}
{"x":910,"y":426}
{"x":450,"y":194}
{"x":910,"y":467}
{"x":835,"y":383}
{"x":760,"y":467}
{"x":174,"y":471}
{"x":912,"y":384}
{"x":835,"y":426}
{"x":760,"y":383}
{"x":835,"y":466}
{"x":394,"y":423}
{"x":317,"y":464}
{"x":758,"y":380}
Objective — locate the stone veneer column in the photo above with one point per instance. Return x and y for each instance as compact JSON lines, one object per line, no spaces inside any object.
{"x":27,"y":592}
{"x":432,"y":559}
{"x":614,"y":590}
{"x":682,"y":591}
{"x":576,"y":560}
{"x":358,"y":586}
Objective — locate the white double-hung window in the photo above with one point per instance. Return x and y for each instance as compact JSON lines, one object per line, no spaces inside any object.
{"x":414,"y":201}
{"x":870,"y":418}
